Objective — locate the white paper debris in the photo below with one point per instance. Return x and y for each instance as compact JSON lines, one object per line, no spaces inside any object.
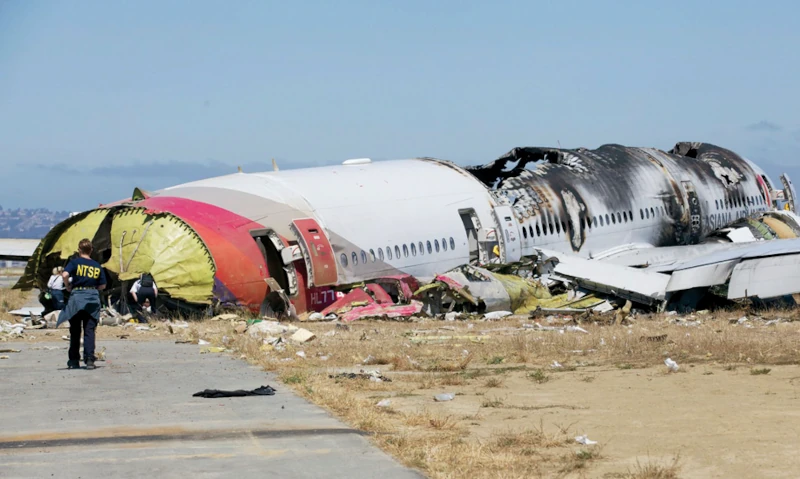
{"x":495,"y":315}
{"x":672,"y":366}
{"x":585,"y":440}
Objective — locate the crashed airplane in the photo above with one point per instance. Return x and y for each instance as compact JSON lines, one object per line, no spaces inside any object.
{"x":640,"y":223}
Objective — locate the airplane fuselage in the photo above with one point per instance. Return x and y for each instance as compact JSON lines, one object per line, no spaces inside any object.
{"x":305,"y":231}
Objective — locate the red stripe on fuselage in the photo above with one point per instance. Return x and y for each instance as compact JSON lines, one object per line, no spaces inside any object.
{"x":240,"y":265}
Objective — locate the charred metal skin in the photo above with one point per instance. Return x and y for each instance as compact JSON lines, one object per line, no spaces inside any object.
{"x":585,"y":199}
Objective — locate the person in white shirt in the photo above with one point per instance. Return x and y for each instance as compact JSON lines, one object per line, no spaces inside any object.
{"x":55,"y":286}
{"x":144,"y":289}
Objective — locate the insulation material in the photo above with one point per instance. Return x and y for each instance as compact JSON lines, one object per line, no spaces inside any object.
{"x":86,"y":227}
{"x":525,"y":294}
{"x":164,"y":246}
{"x":779,"y":227}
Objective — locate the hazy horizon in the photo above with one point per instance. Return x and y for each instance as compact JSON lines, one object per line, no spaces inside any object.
{"x":97,"y":98}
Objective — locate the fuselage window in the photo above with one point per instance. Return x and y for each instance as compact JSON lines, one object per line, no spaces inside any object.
{"x":530,"y":231}
{"x":601,"y":220}
{"x":647,"y":213}
{"x":594,"y":221}
{"x":550,"y":226}
{"x":436,"y":245}
{"x":558,"y":227}
{"x":608,"y":222}
{"x":343,"y":259}
{"x":413,"y":249}
{"x":430,"y":248}
{"x":452,"y":243}
{"x":564,"y":227}
{"x":372,"y":255}
{"x":421,"y":248}
{"x":380,"y":254}
{"x":583,"y":223}
{"x":652,"y":213}
{"x":389,"y":252}
{"x":619,"y":217}
{"x":613,"y":219}
{"x":354,"y":256}
{"x":625,"y":216}
{"x":444,"y":244}
{"x":363,"y":256}
{"x":641,"y":213}
{"x":716,"y":204}
{"x":397,"y":251}
{"x":405,"y":250}
{"x":538,"y":230}
{"x":525,"y":232}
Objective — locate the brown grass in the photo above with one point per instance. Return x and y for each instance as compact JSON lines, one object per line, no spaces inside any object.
{"x":652,"y":470}
{"x":11,"y":299}
{"x":442,"y":444}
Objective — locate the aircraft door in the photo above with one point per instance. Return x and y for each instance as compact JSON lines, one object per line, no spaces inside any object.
{"x":695,"y":215}
{"x":788,"y":191}
{"x":507,"y":234}
{"x":472,"y":225}
{"x":317,"y":252}
{"x":280,"y":270}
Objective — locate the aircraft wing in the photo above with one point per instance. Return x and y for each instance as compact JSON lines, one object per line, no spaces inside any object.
{"x":17,"y":249}
{"x":762,"y":269}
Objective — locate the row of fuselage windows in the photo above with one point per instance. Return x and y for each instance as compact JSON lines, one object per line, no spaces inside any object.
{"x":556,"y":227}
{"x":739,"y":202}
{"x":399,"y":251}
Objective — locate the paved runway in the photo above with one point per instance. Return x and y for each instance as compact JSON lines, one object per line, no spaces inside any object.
{"x":135,"y":416}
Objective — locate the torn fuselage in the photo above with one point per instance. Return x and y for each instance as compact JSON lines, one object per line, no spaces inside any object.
{"x":590,"y":200}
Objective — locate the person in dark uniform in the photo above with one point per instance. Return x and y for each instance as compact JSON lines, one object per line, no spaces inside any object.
{"x":144,"y":289}
{"x":84,"y":278}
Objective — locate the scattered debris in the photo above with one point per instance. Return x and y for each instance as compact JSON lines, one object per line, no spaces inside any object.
{"x":4,"y":357}
{"x":495,"y":315}
{"x":672,"y":366}
{"x":585,"y":440}
{"x":218,"y":393}
{"x":384,"y":403}
{"x":28,"y":311}
{"x":444,"y":397}
{"x":302,"y":336}
{"x":375,"y":376}
{"x":213,"y":349}
{"x":203,"y":342}
{"x":10,"y":350}
{"x":301,"y":354}
{"x":654,"y":339}
{"x":271,"y":328}
{"x":556,"y":365}
{"x":225,"y":317}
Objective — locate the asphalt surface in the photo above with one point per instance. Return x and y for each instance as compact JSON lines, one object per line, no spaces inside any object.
{"x":135,"y":416}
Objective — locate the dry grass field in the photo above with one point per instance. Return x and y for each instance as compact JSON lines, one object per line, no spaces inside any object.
{"x":522,"y":394}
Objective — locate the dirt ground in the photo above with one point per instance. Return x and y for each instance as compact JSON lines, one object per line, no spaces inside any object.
{"x":729,"y":411}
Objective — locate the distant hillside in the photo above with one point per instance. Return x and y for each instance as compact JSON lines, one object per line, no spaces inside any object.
{"x":24,"y":223}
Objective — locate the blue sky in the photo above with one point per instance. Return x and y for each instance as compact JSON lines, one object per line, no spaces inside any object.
{"x":152,"y":94}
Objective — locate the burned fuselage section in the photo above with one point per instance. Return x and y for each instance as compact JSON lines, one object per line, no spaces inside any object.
{"x":587,"y":200}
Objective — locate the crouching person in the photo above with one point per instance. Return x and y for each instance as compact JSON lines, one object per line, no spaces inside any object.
{"x":144,"y":293}
{"x":83,"y":307}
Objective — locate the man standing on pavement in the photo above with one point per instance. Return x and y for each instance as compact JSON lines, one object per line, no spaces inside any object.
{"x":83,"y":307}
